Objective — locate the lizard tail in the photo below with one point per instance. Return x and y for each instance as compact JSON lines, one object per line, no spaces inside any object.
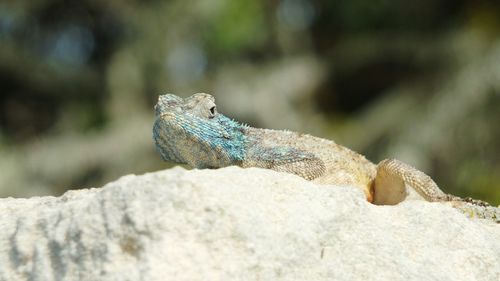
{"x":475,"y":208}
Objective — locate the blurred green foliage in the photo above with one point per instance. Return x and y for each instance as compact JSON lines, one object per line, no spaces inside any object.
{"x":236,"y":27}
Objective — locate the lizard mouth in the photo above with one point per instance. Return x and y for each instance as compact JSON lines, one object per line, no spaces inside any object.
{"x":167,"y":115}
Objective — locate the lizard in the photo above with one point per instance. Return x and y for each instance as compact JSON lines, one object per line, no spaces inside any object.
{"x":191,"y":131}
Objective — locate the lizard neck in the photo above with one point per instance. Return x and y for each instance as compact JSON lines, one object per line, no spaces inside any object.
{"x":232,"y":142}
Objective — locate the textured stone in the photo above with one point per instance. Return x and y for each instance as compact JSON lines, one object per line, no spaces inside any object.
{"x":238,"y":224}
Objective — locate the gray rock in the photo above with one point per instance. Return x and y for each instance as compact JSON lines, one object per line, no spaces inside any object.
{"x":238,"y":224}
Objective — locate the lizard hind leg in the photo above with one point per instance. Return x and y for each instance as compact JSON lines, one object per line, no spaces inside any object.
{"x":396,"y":180}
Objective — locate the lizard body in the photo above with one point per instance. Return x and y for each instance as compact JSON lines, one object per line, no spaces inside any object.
{"x":191,"y":131}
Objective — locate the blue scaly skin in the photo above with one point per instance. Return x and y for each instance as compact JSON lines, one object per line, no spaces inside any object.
{"x":191,"y":131}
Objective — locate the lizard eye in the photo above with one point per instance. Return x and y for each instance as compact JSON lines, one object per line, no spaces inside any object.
{"x":212,"y":111}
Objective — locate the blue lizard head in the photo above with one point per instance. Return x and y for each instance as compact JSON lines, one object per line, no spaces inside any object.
{"x":191,"y":131}
{"x":167,"y":102}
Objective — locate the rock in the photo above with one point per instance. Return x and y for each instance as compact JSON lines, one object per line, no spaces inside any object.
{"x":238,"y":224}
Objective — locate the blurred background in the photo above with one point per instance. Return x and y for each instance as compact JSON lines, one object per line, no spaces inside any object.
{"x":418,"y":81}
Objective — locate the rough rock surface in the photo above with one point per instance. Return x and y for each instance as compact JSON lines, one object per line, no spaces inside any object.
{"x":238,"y":224}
